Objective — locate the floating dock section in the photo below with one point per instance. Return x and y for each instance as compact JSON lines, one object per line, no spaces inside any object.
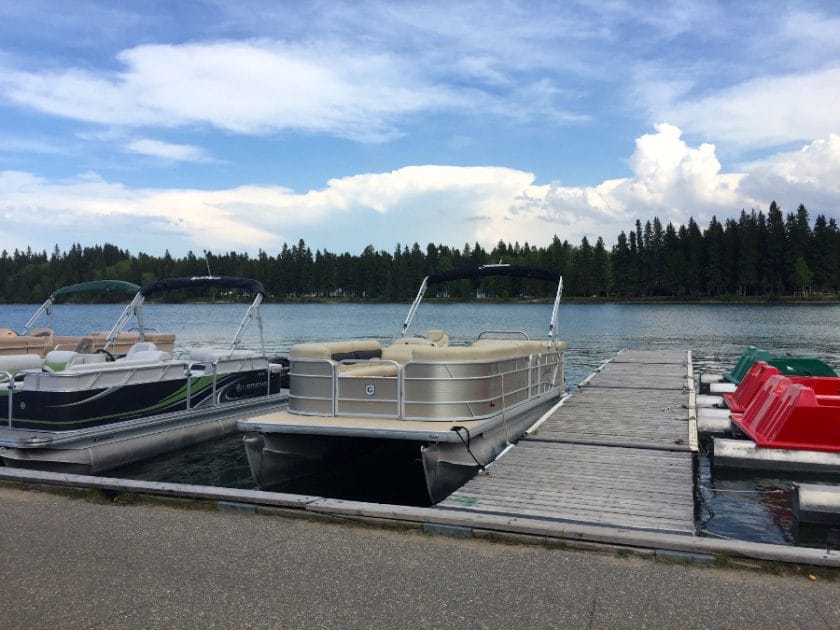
{"x":621,"y":452}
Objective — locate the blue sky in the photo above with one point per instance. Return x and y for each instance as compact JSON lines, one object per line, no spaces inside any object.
{"x":240,"y":126}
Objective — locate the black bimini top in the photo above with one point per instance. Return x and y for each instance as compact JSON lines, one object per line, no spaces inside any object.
{"x":518,"y":271}
{"x":254,"y":287}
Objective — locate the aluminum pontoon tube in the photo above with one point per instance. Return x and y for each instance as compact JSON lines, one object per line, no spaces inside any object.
{"x":816,"y":504}
{"x":119,"y":451}
{"x":744,"y":454}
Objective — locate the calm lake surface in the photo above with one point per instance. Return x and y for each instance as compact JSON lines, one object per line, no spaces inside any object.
{"x":744,"y":507}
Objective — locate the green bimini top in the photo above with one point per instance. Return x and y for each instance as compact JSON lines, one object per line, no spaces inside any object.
{"x":98,"y":286}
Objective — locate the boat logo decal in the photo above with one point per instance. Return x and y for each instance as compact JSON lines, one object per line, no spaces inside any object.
{"x":370,"y":390}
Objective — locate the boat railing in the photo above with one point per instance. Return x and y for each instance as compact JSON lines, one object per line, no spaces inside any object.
{"x":10,"y":385}
{"x":421,"y":390}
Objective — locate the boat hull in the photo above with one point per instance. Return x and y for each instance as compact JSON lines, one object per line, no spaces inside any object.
{"x":96,"y":450}
{"x":80,"y":409}
{"x":277,"y":458}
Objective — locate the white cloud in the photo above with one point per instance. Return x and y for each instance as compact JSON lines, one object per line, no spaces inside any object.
{"x":670,"y":180}
{"x":254,"y":87}
{"x":810,"y":175}
{"x":761,"y":112}
{"x":167,"y":150}
{"x":427,"y":203}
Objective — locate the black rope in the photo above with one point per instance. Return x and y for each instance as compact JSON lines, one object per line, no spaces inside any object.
{"x":466,"y":444}
{"x":704,"y":503}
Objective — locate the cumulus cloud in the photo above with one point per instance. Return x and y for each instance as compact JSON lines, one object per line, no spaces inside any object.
{"x":670,"y":180}
{"x":426,"y":203}
{"x":810,"y":175}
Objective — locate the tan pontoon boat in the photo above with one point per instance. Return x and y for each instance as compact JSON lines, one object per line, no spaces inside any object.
{"x":459,"y":405}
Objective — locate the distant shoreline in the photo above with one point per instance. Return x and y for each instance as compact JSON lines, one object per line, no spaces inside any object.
{"x":723,"y":300}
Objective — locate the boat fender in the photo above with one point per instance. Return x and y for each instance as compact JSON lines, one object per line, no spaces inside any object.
{"x":457,"y":429}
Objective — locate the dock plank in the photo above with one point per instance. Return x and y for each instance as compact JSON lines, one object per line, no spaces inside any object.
{"x":616,"y":453}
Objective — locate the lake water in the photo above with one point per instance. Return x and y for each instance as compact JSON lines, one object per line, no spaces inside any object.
{"x":744,"y":507}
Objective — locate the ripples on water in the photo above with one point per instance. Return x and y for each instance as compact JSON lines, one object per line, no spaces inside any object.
{"x":744,"y":507}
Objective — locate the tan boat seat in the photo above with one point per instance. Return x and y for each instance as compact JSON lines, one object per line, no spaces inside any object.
{"x":401,"y":353}
{"x":364,"y":370}
{"x":436,"y":338}
{"x":163,"y":341}
{"x":26,"y":344}
{"x":337,"y":350}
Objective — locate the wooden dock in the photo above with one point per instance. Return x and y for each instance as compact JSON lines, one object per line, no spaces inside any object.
{"x":619,"y":452}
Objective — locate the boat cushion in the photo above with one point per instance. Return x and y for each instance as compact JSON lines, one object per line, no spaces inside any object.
{"x":401,"y":353}
{"x":431,"y":338}
{"x":16,"y":362}
{"x":365,"y":369}
{"x":26,"y":344}
{"x":211,"y":355}
{"x":140,"y":346}
{"x":146,"y":356}
{"x":337,"y":350}
{"x":57,"y":360}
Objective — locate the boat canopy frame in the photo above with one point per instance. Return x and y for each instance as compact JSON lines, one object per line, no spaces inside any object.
{"x":468,"y":273}
{"x":134,"y":309}
{"x":94,"y":286}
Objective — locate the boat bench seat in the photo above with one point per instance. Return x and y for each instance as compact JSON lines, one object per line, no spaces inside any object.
{"x":365,"y":369}
{"x":24,"y":344}
{"x":483,"y":350}
{"x":15,"y":362}
{"x":58,"y":360}
{"x":96,"y":341}
{"x":144,"y":352}
{"x":211,"y":355}
{"x":436,"y":338}
{"x":163,"y":341}
{"x":337,"y":350}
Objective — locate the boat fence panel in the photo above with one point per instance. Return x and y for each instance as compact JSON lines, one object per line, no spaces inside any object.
{"x":368,"y":389}
{"x":312,"y":387}
{"x":469,"y":390}
{"x":421,"y":390}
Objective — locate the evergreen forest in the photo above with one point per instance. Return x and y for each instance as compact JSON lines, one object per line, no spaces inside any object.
{"x":756,"y":254}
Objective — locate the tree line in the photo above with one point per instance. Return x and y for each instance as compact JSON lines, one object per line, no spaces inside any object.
{"x":756,"y":254}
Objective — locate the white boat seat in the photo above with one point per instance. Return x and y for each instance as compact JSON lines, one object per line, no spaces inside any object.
{"x":140,"y":346}
{"x":57,"y":360}
{"x":145,"y":356}
{"x":16,"y":362}
{"x":211,"y":355}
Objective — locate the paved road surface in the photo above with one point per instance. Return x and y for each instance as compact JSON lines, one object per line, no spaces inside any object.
{"x":71,"y":563}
